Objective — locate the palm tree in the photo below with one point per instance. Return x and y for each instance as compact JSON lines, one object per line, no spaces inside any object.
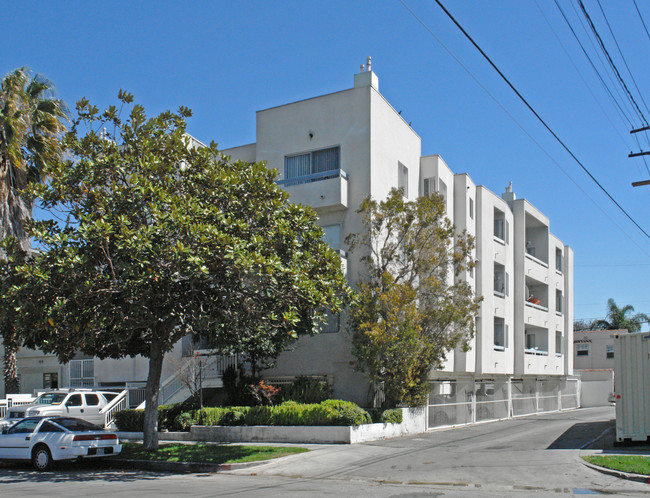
{"x":31,"y":124}
{"x":621,"y":318}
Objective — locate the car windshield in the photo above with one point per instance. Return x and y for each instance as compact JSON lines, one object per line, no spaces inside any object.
{"x":76,"y":424}
{"x":50,"y":399}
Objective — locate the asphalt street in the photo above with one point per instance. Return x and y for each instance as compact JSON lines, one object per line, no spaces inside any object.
{"x":537,"y":455}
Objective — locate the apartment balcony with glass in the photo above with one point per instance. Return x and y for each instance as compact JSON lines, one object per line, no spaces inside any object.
{"x":316,"y":179}
{"x":536,"y":340}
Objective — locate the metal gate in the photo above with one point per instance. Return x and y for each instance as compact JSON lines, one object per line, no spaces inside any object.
{"x":82,"y":373}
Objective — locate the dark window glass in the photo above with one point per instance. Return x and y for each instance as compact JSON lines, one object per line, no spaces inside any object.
{"x":76,"y":424}
{"x":92,"y":399}
{"x":49,"y":427}
{"x":26,"y":426}
{"x":74,"y":400}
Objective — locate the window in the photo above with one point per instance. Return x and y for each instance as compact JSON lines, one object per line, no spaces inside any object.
{"x":26,"y":426}
{"x":558,"y":343}
{"x":332,"y":236}
{"x":582,"y":349}
{"x":50,"y":381}
{"x":500,"y":225}
{"x":501,"y":280}
{"x":311,"y":163}
{"x":429,"y":186}
{"x":530,"y":341}
{"x":49,"y":427}
{"x":92,"y":399}
{"x":500,"y":334}
{"x":609,"y":351}
{"x":558,"y":259}
{"x":442,"y":190}
{"x":74,"y":400}
{"x":558,"y":301}
{"x":331,"y":324}
{"x":403,"y":179}
{"x":471,"y":208}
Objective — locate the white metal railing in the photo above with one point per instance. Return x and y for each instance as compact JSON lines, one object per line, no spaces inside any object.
{"x":137,"y":391}
{"x":536,"y":351}
{"x":536,"y":260}
{"x":120,"y":402}
{"x":314,"y":177}
{"x":540,"y":306}
{"x":212,"y":367}
{"x":3,"y":408}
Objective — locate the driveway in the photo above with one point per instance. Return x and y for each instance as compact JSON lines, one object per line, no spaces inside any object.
{"x":536,"y":453}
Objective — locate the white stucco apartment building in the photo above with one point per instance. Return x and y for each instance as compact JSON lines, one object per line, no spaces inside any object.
{"x":334,"y":150}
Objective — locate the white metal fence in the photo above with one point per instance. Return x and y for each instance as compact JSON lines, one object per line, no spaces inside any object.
{"x":460,"y":402}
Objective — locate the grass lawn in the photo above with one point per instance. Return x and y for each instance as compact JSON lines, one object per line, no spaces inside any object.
{"x":207,"y":453}
{"x":626,"y":463}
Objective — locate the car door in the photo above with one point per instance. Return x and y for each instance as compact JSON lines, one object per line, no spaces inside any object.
{"x":91,"y":413}
{"x":75,"y":406}
{"x":15,"y":444}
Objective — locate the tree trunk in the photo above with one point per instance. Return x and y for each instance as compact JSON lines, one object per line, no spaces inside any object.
{"x":156,"y":356}
{"x":10,"y":370}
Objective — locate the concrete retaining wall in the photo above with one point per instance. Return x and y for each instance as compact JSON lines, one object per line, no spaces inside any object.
{"x":413,"y":422}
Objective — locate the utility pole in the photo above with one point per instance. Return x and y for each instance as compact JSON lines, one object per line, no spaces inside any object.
{"x":641,"y":153}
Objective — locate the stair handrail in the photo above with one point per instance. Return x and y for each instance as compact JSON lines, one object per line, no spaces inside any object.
{"x":118,"y":403}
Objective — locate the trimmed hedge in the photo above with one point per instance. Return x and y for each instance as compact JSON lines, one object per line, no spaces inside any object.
{"x":329,"y":412}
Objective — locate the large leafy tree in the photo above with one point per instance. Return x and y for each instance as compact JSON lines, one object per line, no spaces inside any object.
{"x":163,"y":239}
{"x":31,"y":124}
{"x":412,"y":309}
{"x":617,"y":319}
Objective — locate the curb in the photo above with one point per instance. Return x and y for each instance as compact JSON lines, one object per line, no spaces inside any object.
{"x":617,"y":473}
{"x":180,"y":467}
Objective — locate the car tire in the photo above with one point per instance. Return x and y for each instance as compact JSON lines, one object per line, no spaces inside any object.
{"x":42,"y":458}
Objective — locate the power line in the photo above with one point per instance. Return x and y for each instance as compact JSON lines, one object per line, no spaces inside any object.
{"x":641,"y":17}
{"x":559,"y":140}
{"x":575,"y":66}
{"x":618,"y":47}
{"x":597,"y":205}
{"x":611,"y":62}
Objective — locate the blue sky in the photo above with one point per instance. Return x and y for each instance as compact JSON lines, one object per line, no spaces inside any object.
{"x":226,"y":60}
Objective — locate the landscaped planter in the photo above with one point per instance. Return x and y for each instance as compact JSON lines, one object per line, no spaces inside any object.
{"x":413,"y":422}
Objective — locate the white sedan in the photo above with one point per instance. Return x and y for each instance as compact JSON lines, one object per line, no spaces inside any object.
{"x":44,"y":440}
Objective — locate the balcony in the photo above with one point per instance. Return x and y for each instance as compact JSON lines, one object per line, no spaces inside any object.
{"x":324,"y":190}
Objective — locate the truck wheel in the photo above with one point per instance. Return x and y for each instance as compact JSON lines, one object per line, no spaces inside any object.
{"x":42,"y":458}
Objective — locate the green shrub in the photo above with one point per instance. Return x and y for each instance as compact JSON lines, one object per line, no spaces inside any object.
{"x":259,"y":415}
{"x":209,"y":416}
{"x":129,"y":420}
{"x":307,"y":390}
{"x":347,"y":413}
{"x":291,"y":413}
{"x":393,"y":416}
{"x":232,"y":417}
{"x":183,"y":422}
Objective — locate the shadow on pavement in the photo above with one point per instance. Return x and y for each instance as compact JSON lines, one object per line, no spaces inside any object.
{"x":588,"y":435}
{"x":72,"y":472}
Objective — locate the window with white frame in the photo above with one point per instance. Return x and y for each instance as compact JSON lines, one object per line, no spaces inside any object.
{"x":558,"y":342}
{"x":499,"y":224}
{"x":609,"y":351}
{"x":500,"y":334}
{"x":582,"y":349}
{"x":403,"y":179}
{"x":471,"y":208}
{"x":558,"y":301}
{"x":558,"y":259}
{"x":51,"y":380}
{"x":312,"y":163}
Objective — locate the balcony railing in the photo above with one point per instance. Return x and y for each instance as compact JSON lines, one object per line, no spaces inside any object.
{"x":540,"y":306}
{"x":314,"y":177}
{"x":536,"y":351}
{"x":536,"y":260}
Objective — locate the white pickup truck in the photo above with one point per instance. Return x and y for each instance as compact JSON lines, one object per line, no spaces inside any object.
{"x":81,"y":403}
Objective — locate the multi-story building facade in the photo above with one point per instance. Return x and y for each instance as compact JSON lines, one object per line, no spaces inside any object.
{"x":334,"y":150}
